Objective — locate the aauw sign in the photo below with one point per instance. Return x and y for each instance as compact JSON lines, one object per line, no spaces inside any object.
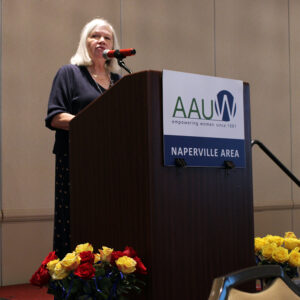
{"x":203,"y":120}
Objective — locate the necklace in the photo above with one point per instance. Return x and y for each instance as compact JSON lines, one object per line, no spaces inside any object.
{"x":99,"y":87}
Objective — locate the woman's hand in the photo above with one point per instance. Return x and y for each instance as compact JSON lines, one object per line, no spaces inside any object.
{"x":62,"y":121}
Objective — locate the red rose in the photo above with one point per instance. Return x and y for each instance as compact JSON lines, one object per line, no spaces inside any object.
{"x":87,"y":257}
{"x":40,"y":277}
{"x":51,"y":256}
{"x":129,"y":251}
{"x":140,"y":267}
{"x":115,"y":255}
{"x":85,"y":271}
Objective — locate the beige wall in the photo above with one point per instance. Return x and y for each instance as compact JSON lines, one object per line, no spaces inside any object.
{"x":252,"y":40}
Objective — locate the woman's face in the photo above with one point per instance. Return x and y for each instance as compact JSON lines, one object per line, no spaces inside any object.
{"x":98,"y":40}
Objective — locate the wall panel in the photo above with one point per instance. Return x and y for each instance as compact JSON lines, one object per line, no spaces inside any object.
{"x":37,"y":39}
{"x":252,"y":45}
{"x":295,"y":91}
{"x":275,"y":222}
{"x":24,"y":247}
{"x":168,"y":36}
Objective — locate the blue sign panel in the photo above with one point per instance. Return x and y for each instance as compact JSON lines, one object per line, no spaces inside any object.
{"x":206,"y":152}
{"x":203,"y":120}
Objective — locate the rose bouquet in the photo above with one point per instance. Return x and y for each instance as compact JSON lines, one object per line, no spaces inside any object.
{"x":85,"y":275}
{"x":283,"y":251}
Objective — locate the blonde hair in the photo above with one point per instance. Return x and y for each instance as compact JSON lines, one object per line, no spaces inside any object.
{"x":82,"y":57}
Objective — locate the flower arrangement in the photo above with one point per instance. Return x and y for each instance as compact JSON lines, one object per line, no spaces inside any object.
{"x":283,"y":251}
{"x":85,"y":275}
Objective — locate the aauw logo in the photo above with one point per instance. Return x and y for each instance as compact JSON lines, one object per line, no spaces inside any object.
{"x":225,"y":105}
{"x":223,"y":108}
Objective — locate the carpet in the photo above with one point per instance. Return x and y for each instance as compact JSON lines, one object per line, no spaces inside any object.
{"x":24,"y":292}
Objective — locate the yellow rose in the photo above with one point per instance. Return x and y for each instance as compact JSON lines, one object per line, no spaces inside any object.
{"x":259,"y":243}
{"x":84,"y":247}
{"x":59,"y":272}
{"x":291,"y":243}
{"x":278,"y":240}
{"x":268,"y":249}
{"x":126,"y":264}
{"x":51,"y":265}
{"x":294,"y":259}
{"x":280,"y":255}
{"x":71,"y":261}
{"x":97,"y":258}
{"x":106,"y":253}
{"x":290,"y":234}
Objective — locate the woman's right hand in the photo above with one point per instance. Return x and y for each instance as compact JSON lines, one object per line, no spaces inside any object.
{"x":62,"y":121}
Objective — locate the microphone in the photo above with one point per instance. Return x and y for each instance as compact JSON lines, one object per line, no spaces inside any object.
{"x":118,"y":53}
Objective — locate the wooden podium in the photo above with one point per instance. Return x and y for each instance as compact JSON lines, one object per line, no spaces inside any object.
{"x":189,"y":225}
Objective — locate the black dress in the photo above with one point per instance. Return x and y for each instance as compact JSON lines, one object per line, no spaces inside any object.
{"x":73,"y":88}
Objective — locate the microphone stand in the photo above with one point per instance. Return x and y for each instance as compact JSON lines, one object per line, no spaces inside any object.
{"x":122,"y":64}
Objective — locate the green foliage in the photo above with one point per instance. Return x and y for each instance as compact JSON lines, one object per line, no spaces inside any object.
{"x":292,"y":272}
{"x":107,"y":284}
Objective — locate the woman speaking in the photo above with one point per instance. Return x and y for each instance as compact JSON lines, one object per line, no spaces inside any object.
{"x":76,"y":85}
